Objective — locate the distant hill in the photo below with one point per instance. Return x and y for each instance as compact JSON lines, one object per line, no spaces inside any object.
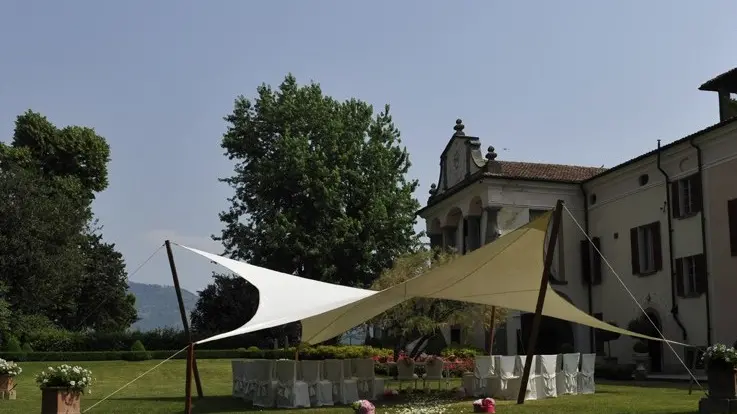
{"x":157,"y":306}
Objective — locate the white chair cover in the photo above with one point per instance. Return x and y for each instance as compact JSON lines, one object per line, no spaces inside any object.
{"x":290,"y":392}
{"x":239,"y":386}
{"x":321,"y":391}
{"x":586,"y":375}
{"x":508,"y":377}
{"x":349,"y":372}
{"x":545,"y":383}
{"x":494,"y":382}
{"x":244,"y":379}
{"x":482,"y":367}
{"x":406,"y":371}
{"x":514,"y":382}
{"x":568,"y":374}
{"x":345,"y":390}
{"x":434,"y":372}
{"x":369,"y":386}
{"x":264,"y":393}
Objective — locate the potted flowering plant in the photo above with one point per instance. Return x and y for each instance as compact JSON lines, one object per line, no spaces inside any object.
{"x":720,"y":361}
{"x":363,"y":407}
{"x":62,"y":388}
{"x":8,"y":371}
{"x":484,"y":405}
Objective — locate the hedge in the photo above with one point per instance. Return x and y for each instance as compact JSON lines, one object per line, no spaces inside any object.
{"x":318,"y":352}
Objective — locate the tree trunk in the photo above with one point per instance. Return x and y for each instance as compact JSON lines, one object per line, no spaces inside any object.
{"x":417,"y":348}
{"x":398,"y":347}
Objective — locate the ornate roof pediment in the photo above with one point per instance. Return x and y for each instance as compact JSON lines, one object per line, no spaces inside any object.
{"x":461,"y":157}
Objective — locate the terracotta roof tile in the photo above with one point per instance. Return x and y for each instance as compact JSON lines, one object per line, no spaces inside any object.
{"x":552,"y":172}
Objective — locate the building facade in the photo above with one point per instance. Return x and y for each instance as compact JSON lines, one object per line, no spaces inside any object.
{"x":663,"y":224}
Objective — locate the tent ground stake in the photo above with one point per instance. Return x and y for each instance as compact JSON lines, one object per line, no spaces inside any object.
{"x":183,"y":313}
{"x":532,"y":343}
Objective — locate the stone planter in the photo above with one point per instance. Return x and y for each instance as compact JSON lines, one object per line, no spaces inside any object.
{"x":642,"y":365}
{"x":6,"y":383}
{"x":722,"y":378}
{"x":60,"y":401}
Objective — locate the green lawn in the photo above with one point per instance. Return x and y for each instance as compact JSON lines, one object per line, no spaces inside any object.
{"x":162,"y":391}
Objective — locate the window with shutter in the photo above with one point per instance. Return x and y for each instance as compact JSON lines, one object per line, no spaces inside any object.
{"x":686,"y":197}
{"x":596,"y":261}
{"x":646,"y":249}
{"x":691,"y":276}
{"x":732,"y":216}
{"x":585,"y":261}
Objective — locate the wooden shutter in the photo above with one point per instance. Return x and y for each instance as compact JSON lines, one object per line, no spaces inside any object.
{"x":732,"y":215}
{"x":696,"y":193}
{"x":585,"y":261}
{"x":657,"y":246}
{"x":675,"y":195}
{"x":635,"y":250}
{"x":596,"y":272}
{"x":701,"y":277}
{"x":680,"y":286}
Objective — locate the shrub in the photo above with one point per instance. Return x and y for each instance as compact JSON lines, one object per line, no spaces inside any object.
{"x":26,"y":348}
{"x":13,"y":345}
{"x":138,"y":353}
{"x":459,"y":352}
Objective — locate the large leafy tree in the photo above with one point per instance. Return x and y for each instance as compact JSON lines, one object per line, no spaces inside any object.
{"x":422,"y":318}
{"x":320,"y":185}
{"x":104,"y":283}
{"x":41,"y":222}
{"x":53,"y":265}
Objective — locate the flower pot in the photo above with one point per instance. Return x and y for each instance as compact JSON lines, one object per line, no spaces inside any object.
{"x":60,"y":401}
{"x":722,"y":380}
{"x":642,"y":365}
{"x":6,"y":382}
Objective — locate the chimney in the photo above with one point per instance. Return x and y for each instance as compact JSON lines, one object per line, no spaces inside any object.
{"x":725,"y":85}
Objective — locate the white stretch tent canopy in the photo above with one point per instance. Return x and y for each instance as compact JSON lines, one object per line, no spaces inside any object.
{"x":505,"y":273}
{"x":284,"y":298}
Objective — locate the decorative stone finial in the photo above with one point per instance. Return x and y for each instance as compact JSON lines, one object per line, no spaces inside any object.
{"x":433,"y":189}
{"x":490,"y":154}
{"x":459,"y":127}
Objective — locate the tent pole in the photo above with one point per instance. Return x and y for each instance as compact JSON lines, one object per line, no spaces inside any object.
{"x":183,"y":313}
{"x":532,"y":342}
{"x":188,"y":385}
{"x":491,"y":330}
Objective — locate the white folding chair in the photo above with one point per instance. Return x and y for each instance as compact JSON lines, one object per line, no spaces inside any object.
{"x":345,"y":390}
{"x":568,"y":374}
{"x":434,"y":372}
{"x":406,"y":371}
{"x":290,"y":392}
{"x":321,"y":390}
{"x":586,"y":374}
{"x":545,"y":382}
{"x":264,"y":394}
{"x":369,"y":385}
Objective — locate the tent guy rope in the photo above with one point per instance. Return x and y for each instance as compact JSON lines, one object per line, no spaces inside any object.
{"x":135,"y":379}
{"x":634,"y":299}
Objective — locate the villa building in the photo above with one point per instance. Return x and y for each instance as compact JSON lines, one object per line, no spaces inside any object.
{"x":664,"y":222}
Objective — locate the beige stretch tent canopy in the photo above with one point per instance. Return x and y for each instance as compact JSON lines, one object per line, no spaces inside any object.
{"x":505,"y":273}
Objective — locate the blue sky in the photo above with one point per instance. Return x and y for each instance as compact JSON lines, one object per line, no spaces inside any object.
{"x":572,"y":82}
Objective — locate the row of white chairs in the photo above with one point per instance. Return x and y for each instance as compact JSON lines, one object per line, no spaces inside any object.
{"x":550,"y":376}
{"x":434,"y":372}
{"x":291,"y":384}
